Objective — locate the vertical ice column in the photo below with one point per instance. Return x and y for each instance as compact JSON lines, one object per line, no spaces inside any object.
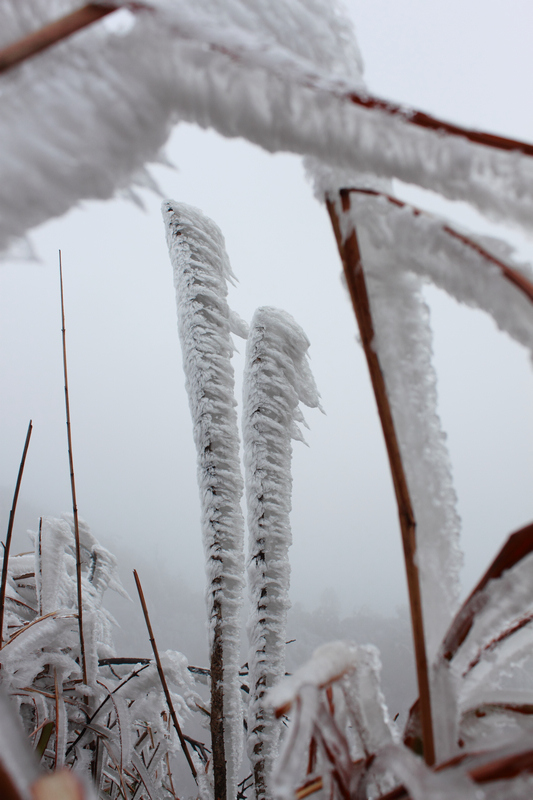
{"x":277,"y":378}
{"x":205,"y":322}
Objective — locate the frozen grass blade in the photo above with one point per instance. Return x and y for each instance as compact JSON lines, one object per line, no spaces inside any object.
{"x":72,"y":483}
{"x":162,"y":677}
{"x":9,"y":535}
{"x":518,"y":546}
{"x":44,"y":738}
{"x":355,"y":279}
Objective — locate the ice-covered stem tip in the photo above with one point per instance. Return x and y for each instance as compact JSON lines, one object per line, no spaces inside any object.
{"x":277,"y":378}
{"x":205,"y":323}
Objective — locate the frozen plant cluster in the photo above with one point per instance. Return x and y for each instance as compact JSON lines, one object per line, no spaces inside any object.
{"x":114,"y":731}
{"x":287,"y":75}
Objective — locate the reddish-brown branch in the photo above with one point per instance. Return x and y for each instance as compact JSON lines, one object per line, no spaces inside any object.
{"x":9,"y":535}
{"x":51,"y":34}
{"x":509,"y":273}
{"x":518,"y":546}
{"x":355,"y":278}
{"x":162,"y":677}
{"x":60,"y":29}
{"x":521,"y":623}
{"x":423,"y":120}
{"x":499,"y":769}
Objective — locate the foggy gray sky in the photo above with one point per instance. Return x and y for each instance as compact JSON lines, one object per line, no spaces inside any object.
{"x":134,"y":457}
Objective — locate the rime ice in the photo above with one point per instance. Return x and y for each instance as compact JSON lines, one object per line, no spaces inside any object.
{"x":277,"y":379}
{"x":201,"y":271}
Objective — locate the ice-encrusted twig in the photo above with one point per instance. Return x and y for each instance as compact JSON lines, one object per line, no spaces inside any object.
{"x":205,"y":322}
{"x":277,"y":378}
{"x":7,"y":546}
{"x":355,"y":278}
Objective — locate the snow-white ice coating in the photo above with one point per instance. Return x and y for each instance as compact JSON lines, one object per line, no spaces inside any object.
{"x":201,"y":271}
{"x":277,"y":379}
{"x":400,"y":238}
{"x":103,"y":103}
{"x":339,"y":714}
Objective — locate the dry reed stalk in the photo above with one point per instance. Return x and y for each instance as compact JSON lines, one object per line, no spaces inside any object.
{"x":72,"y":483}
{"x":162,"y":677}
{"x":51,"y":34}
{"x":9,"y":534}
{"x":60,"y":29}
{"x":216,"y":722}
{"x":355,"y":279}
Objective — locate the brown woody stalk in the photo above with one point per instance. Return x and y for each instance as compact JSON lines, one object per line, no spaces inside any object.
{"x":51,"y":34}
{"x":355,"y":279}
{"x":162,"y":677}
{"x":72,"y":483}
{"x":9,"y":535}
{"x":217,"y":705}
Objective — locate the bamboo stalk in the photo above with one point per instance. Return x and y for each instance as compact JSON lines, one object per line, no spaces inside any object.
{"x":162,"y":677}
{"x":9,"y":534}
{"x":51,"y":34}
{"x":355,"y":278}
{"x":72,"y":483}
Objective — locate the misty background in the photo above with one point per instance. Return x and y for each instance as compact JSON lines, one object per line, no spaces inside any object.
{"x":132,"y":439}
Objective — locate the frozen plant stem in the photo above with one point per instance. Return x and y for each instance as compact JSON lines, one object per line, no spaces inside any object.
{"x":10,"y":532}
{"x":355,"y":279}
{"x":205,"y":322}
{"x":72,"y":483}
{"x":51,"y":34}
{"x":162,"y":678}
{"x":277,"y":378}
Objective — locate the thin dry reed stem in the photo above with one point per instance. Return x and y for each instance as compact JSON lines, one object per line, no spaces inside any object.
{"x":72,"y":483}
{"x":9,"y":534}
{"x":162,"y":677}
{"x":355,"y":279}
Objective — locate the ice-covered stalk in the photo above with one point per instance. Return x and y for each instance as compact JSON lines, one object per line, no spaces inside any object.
{"x":205,"y":322}
{"x":7,"y":545}
{"x":353,"y":269}
{"x":277,"y":378}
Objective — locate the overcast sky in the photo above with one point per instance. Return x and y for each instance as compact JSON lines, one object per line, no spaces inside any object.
{"x":135,"y":463}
